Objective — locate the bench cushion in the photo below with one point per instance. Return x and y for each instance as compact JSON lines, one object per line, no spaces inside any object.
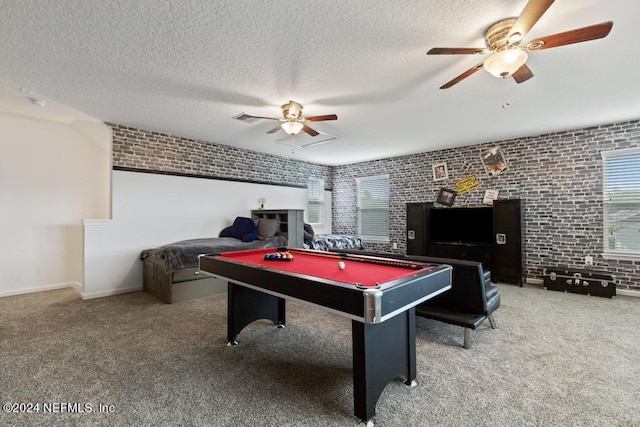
{"x":466,"y":320}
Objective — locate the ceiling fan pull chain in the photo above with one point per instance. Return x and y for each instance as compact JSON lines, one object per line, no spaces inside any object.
{"x":505,"y":93}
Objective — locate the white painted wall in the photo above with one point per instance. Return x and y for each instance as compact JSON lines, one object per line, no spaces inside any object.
{"x":151,"y":210}
{"x":52,"y":175}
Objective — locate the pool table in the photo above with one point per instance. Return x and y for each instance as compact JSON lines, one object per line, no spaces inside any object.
{"x":379,"y":295}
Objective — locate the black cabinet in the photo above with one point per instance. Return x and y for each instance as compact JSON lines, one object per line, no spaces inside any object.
{"x":417,"y":227}
{"x":508,"y":246}
{"x":493,"y":236}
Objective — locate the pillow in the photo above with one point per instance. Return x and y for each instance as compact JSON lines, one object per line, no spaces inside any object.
{"x":227,"y":232}
{"x":242,"y":228}
{"x":308,"y":233}
{"x":268,"y":228}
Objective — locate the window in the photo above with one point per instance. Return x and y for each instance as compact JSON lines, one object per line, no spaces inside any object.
{"x":373,"y":207}
{"x":315,"y":205}
{"x":621,"y":192}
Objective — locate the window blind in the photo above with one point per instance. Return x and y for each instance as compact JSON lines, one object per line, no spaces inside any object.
{"x":621,"y":193}
{"x":315,"y":203}
{"x":373,"y":207}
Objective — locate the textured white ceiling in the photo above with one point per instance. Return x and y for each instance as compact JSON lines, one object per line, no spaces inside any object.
{"x":187,"y":67}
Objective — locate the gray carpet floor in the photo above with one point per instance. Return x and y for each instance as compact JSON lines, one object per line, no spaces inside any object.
{"x":556,"y":359}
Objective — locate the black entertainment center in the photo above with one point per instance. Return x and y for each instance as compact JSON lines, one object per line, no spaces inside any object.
{"x":492,"y":235}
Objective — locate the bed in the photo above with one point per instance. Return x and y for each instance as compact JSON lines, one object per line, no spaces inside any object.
{"x":171,"y":272}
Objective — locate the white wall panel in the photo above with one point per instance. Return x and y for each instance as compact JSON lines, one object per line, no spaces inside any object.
{"x":151,"y":210}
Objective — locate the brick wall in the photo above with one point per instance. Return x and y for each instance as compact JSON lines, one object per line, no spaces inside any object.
{"x":558,"y":175}
{"x":153,"y":151}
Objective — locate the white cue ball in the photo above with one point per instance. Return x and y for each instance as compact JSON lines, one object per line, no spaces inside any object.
{"x":341,"y":265}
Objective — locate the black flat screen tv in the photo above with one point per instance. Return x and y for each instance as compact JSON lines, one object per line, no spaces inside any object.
{"x":461,"y":226}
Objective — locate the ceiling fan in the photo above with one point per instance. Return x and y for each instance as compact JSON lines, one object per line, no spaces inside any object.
{"x":503,"y":39}
{"x":292,"y":122}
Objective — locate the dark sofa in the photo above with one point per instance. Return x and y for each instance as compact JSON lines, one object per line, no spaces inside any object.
{"x":471,"y":300}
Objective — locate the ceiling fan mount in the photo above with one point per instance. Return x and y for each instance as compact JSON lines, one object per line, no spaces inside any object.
{"x":497,"y":35}
{"x":292,"y":110}
{"x":292,"y":122}
{"x":503,"y":40}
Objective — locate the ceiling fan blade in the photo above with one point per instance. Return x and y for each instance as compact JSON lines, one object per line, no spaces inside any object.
{"x":522,"y":74}
{"x":461,"y":77}
{"x":528,"y":17}
{"x":578,"y":35}
{"x":249,"y":118}
{"x":321,"y":118}
{"x":457,"y":51}
{"x":310,"y":131}
{"x":275,"y":129}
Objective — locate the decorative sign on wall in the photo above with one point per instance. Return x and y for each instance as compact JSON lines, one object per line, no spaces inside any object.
{"x":440,"y":171}
{"x":493,"y":161}
{"x":489,"y":197}
{"x":467,"y":184}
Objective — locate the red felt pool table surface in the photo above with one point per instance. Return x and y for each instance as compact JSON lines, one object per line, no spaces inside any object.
{"x":364,"y":270}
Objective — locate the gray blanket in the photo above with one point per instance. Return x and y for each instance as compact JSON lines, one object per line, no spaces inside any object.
{"x":326,"y":242}
{"x":184,"y":254}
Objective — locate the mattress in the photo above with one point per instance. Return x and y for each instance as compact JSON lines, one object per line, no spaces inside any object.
{"x":184,"y":254}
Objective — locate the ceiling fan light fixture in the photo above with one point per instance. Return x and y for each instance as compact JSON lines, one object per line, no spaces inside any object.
{"x":292,"y":128}
{"x":505,"y":62}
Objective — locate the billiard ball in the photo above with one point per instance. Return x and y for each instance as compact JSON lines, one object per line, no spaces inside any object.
{"x":341,"y":265}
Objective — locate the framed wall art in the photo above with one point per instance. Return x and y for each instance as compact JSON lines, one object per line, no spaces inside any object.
{"x":446,"y":196}
{"x":440,"y":171}
{"x":493,"y":161}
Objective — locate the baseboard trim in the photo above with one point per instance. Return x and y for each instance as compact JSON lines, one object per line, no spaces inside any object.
{"x":109,"y":293}
{"x":628,"y":293}
{"x":75,"y":285}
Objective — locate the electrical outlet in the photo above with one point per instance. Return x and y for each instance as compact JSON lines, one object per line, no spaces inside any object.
{"x":395,"y":246}
{"x":588,"y":260}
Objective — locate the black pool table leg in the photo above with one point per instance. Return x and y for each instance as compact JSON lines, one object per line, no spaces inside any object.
{"x":246,"y":305}
{"x":381,"y":353}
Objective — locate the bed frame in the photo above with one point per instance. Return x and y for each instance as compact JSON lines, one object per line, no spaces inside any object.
{"x":188,"y":283}
{"x":181,"y":285}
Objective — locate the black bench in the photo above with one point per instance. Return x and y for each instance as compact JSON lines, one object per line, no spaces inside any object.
{"x":471,"y":300}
